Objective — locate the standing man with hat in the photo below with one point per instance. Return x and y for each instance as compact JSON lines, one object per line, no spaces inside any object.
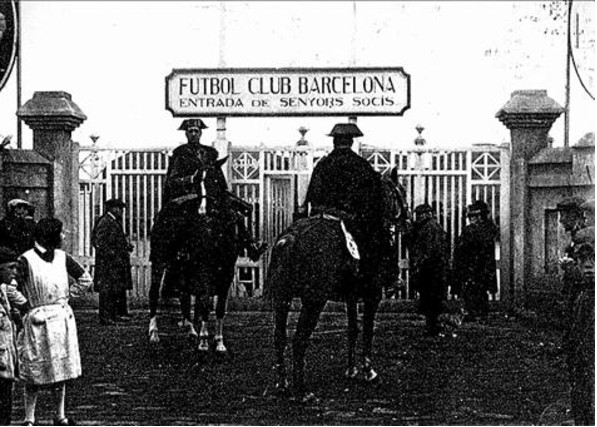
{"x":428,"y":249}
{"x":572,"y":220}
{"x":112,"y":264}
{"x":345,"y":185}
{"x":474,"y":261}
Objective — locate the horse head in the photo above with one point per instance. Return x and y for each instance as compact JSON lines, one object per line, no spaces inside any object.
{"x":396,"y":211}
{"x":211,"y":184}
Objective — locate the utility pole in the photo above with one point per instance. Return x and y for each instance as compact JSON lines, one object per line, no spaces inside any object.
{"x":567,"y":100}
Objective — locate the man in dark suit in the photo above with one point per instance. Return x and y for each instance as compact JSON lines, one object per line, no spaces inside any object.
{"x":474,"y":261}
{"x":112,"y":264}
{"x":428,"y":248}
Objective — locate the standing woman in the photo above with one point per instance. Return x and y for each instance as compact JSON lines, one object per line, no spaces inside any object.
{"x":47,"y":345}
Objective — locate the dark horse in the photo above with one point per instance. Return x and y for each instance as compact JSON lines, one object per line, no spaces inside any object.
{"x":310,"y":261}
{"x":194,"y":248}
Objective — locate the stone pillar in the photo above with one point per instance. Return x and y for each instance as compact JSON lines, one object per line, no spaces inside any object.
{"x":53,"y":116}
{"x":529,"y":115}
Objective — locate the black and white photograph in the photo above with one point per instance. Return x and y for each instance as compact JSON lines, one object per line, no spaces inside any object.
{"x":297,"y":212}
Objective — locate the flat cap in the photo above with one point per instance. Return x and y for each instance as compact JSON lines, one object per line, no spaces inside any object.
{"x":346,"y":129}
{"x":478,"y":207}
{"x":115,"y":203}
{"x":570,"y":203}
{"x":192,"y":123}
{"x":7,"y":256}
{"x":18,"y":202}
{"x":423,"y":208}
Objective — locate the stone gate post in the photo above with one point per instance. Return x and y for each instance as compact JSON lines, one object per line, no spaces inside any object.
{"x":53,"y":116}
{"x":529,"y":114}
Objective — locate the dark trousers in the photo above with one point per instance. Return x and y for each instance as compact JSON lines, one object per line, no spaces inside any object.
{"x":476,"y":302}
{"x":112,"y":303}
{"x":430,"y":284}
{"x":6,"y":387}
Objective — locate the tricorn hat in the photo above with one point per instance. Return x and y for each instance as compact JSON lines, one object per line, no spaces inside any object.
{"x":570,"y":204}
{"x":478,"y":207}
{"x":115,"y":203}
{"x":7,"y":256}
{"x":346,"y":129}
{"x":192,"y":123}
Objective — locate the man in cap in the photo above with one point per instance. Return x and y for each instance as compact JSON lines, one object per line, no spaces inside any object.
{"x":474,"y":261}
{"x":580,"y":343}
{"x":428,"y":249}
{"x":572,"y":220}
{"x":10,"y":298}
{"x":345,"y":185}
{"x":16,"y":229}
{"x":112,"y":275}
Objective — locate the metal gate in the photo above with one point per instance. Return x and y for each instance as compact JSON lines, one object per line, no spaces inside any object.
{"x":274,"y":181}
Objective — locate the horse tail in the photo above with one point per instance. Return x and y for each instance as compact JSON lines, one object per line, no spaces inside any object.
{"x":278,"y":284}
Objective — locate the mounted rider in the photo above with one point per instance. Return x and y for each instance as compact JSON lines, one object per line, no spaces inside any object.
{"x":345,"y":185}
{"x":183,"y":193}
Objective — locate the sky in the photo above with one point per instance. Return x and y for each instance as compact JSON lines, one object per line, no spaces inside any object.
{"x":464,"y":58}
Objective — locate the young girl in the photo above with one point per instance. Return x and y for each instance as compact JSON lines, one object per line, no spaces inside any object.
{"x":48,"y":347}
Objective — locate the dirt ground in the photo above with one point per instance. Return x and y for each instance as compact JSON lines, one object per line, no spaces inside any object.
{"x":506,"y":372}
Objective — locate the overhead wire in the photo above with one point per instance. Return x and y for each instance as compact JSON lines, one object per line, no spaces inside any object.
{"x":571,"y":54}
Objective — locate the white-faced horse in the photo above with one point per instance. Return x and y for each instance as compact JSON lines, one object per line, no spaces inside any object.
{"x":194,"y":247}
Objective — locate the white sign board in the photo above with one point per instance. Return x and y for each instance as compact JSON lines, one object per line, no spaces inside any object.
{"x":288,"y":92}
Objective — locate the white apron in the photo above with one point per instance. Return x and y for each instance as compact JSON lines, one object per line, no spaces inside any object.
{"x":47,"y":345}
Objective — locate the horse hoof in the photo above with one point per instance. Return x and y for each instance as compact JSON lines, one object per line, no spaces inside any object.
{"x":220,"y":347}
{"x":203,"y":346}
{"x":371,"y":376}
{"x":154,"y":338}
{"x":351,"y":373}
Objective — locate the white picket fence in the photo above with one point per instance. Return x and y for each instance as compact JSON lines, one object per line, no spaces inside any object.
{"x":274,"y":181}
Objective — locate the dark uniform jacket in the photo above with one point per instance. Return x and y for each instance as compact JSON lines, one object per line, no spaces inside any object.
{"x":346,"y":184}
{"x":17,"y":233}
{"x":112,"y":256}
{"x":428,"y":252}
{"x":474,"y":256}
{"x":184,"y":163}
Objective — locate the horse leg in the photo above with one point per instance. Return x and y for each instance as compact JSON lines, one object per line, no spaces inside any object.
{"x":306,"y":324}
{"x":158,"y":271}
{"x":353,"y":332}
{"x":202,"y":309}
{"x":280,"y":339}
{"x":370,"y":309}
{"x":220,"y":313}
{"x":185,"y":308}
